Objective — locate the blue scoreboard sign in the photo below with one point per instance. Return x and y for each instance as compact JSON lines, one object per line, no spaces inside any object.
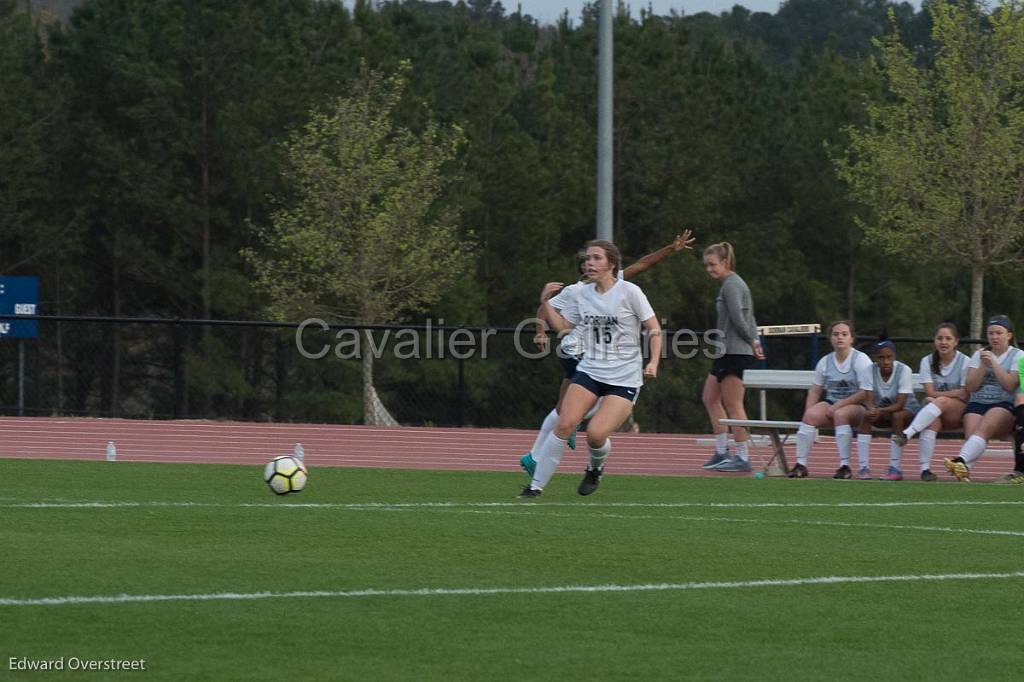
{"x":19,"y":296}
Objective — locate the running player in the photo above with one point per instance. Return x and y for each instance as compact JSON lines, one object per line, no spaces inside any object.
{"x":612,"y":313}
{"x":889,"y":403}
{"x":942,"y":373}
{"x":839,"y":387}
{"x":570,"y":349}
{"x":993,"y":382}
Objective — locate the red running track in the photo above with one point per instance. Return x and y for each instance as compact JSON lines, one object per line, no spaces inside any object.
{"x":464,"y":449}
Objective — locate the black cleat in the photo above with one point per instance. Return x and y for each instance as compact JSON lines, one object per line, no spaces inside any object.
{"x":798,"y":471}
{"x":927,"y":475}
{"x":843,"y":472}
{"x":591,"y":479}
{"x":529,"y":493}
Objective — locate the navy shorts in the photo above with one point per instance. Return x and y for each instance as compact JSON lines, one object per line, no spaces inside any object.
{"x":731,"y":365}
{"x":569,"y":363}
{"x":982,"y":408}
{"x":601,"y":389}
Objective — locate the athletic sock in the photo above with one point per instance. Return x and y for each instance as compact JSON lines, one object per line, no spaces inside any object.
{"x":972,"y":450}
{"x":925,"y":416}
{"x":895,"y":455}
{"x":926,"y":443}
{"x":1018,"y":440}
{"x":546,"y":427}
{"x":547,"y":463}
{"x":741,"y":450}
{"x":599,"y":455}
{"x":722,"y":442}
{"x":804,"y":441}
{"x":593,"y":410}
{"x":863,"y":450}
{"x":844,"y":439}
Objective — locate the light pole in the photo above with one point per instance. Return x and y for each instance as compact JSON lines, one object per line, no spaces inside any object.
{"x":604,"y":122}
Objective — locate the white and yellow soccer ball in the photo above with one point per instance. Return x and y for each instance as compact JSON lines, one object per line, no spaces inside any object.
{"x":285,"y":475}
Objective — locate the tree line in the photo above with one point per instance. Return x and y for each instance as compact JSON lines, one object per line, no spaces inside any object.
{"x":143,"y":148}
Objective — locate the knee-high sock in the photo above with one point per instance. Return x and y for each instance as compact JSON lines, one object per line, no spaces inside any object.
{"x":895,"y":455}
{"x":926,"y":442}
{"x":546,"y":427}
{"x":844,"y":438}
{"x":741,"y":450}
{"x":547,"y":463}
{"x":863,"y":450}
{"x":599,"y":455}
{"x":1018,"y":440}
{"x":722,"y":442}
{"x":804,"y":441}
{"x":972,"y":450}
{"x":925,"y":416}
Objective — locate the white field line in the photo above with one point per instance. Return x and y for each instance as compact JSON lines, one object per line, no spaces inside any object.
{"x":726,"y":519}
{"x":492,"y":591}
{"x":100,"y":504}
{"x":532,"y":509}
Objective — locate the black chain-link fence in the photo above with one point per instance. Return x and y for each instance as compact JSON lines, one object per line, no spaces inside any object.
{"x":257,"y":371}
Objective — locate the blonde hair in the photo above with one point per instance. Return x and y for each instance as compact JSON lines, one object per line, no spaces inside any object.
{"x":610,"y":250}
{"x":724,"y":252}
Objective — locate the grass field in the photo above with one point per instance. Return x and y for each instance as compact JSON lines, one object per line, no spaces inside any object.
{"x":442,"y":575}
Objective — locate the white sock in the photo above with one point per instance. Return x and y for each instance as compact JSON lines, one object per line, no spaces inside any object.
{"x":547,"y":463}
{"x":972,"y":450}
{"x":844,"y":439}
{"x":741,"y":450}
{"x":722,"y":442}
{"x":863,"y":450}
{"x":926,"y":441}
{"x":804,"y":441}
{"x":925,"y":416}
{"x":895,"y":455}
{"x":599,"y":455}
{"x":546,"y":427}
{"x":593,"y":410}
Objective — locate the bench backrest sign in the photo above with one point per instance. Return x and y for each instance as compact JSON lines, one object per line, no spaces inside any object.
{"x":19,"y":296}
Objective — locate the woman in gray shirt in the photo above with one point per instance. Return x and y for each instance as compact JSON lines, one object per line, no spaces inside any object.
{"x":723,"y":389}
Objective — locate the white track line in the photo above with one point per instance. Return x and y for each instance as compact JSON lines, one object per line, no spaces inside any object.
{"x":491,"y":591}
{"x":101,"y":504}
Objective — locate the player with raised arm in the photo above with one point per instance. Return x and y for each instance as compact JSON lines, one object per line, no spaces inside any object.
{"x":612,"y":313}
{"x":570,"y":349}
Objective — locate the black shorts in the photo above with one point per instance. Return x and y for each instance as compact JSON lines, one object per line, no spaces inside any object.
{"x":601,"y":389}
{"x":569,"y":363}
{"x":982,"y":408}
{"x":733,"y":365}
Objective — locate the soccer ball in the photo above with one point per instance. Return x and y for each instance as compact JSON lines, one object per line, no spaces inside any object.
{"x":285,"y":475}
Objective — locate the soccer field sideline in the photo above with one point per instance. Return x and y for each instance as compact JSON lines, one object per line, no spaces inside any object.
{"x":457,"y":449}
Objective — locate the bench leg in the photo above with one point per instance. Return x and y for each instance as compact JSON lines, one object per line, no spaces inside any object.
{"x":777,"y":465}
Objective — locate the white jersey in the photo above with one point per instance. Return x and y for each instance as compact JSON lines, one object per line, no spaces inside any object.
{"x":949,"y":378}
{"x":567,"y":305}
{"x":610,"y":332}
{"x":900,"y":383}
{"x":990,"y":391}
{"x":840,"y":380}
{"x":566,"y":302}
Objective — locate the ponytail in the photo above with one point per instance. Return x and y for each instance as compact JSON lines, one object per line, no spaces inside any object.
{"x":724,"y":252}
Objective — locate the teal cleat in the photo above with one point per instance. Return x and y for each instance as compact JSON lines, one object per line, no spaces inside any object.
{"x":528,"y":464}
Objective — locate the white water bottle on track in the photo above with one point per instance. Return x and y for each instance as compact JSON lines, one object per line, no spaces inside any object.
{"x":111,"y":451}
